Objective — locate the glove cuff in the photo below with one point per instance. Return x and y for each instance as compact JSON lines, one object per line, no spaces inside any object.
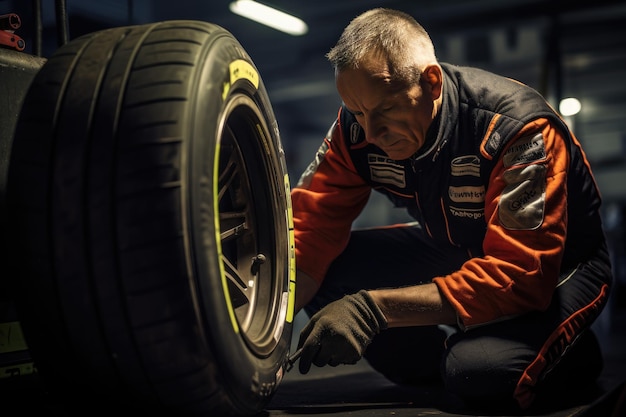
{"x":376,"y":312}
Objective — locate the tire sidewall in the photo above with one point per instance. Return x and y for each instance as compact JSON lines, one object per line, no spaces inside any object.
{"x":246,"y":374}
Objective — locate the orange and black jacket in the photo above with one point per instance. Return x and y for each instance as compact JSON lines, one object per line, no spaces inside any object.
{"x":500,"y":175}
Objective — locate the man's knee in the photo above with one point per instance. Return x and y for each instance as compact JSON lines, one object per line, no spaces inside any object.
{"x":474,"y":372}
{"x":491,"y":373}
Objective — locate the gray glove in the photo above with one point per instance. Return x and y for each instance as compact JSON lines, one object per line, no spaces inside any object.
{"x":340,"y":332}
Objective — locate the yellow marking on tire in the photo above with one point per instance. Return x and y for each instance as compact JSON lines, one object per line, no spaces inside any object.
{"x":218,"y":239}
{"x":240,"y":69}
{"x":292,"y":253}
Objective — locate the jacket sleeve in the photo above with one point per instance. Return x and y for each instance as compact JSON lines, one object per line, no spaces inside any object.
{"x":526,"y":214}
{"x":327,"y":199}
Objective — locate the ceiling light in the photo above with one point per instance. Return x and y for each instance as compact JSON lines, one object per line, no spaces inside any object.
{"x":569,"y":106}
{"x":269,"y":16}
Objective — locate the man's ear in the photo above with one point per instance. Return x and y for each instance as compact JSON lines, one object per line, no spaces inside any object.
{"x":433,"y":76}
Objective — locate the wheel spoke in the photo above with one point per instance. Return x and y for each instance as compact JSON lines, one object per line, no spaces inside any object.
{"x":233,"y":231}
{"x":238,"y":288}
{"x":237,"y":230}
{"x":227,"y":176}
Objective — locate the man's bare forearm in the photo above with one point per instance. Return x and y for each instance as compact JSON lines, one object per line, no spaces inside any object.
{"x":417,"y":305}
{"x":306,"y":287}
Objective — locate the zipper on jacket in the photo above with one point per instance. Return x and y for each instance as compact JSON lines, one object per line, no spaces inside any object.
{"x":441,"y":145}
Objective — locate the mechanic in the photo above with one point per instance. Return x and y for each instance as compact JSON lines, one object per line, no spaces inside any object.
{"x":492,"y":290}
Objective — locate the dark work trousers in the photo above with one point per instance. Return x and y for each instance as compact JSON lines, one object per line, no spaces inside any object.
{"x":507,"y":363}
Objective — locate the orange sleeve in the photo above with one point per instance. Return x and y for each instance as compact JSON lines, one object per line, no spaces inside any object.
{"x":526,"y":214}
{"x":325,"y":203}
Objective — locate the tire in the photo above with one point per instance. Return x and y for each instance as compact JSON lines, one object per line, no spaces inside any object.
{"x":151,"y":224}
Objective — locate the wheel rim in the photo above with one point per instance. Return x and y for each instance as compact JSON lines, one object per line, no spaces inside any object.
{"x":248,"y":209}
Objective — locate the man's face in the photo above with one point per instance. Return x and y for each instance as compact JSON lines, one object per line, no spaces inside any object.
{"x":395,"y":116}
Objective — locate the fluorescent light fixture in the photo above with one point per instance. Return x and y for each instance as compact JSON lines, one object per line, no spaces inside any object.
{"x":569,"y":106}
{"x":269,"y":16}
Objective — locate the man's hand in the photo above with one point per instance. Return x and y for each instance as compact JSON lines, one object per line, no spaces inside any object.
{"x":340,"y":332}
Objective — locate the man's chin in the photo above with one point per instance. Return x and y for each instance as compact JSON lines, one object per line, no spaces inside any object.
{"x":398,"y":155}
{"x":400,"y":151}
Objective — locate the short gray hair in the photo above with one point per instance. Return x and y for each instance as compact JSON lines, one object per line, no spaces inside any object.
{"x":388,"y":34}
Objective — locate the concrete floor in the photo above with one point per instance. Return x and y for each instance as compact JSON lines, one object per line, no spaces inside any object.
{"x":357,"y":390}
{"x":361,"y":392}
